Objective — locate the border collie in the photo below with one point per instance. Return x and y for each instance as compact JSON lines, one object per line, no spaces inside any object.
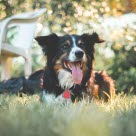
{"x":70,"y":67}
{"x":69,"y":72}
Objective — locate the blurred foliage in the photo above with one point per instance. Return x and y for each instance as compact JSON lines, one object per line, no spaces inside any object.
{"x":62,"y":15}
{"x":78,"y":16}
{"x":123,"y":69}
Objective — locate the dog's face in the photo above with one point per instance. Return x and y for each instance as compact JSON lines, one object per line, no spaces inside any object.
{"x":69,"y":56}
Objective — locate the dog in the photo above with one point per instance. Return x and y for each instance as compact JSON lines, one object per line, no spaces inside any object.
{"x":70,"y":67}
{"x":69,"y":72}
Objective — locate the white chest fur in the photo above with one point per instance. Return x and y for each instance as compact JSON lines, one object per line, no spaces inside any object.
{"x":65,"y":79}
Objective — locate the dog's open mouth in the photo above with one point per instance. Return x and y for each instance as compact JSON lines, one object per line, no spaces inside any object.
{"x":76,"y":70}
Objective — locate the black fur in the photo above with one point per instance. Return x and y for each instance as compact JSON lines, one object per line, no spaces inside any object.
{"x":22,"y":85}
{"x":54,"y":47}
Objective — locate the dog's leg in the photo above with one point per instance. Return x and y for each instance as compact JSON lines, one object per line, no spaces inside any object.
{"x":13,"y":85}
{"x":101,"y":86}
{"x":104,"y":86}
{"x":21,"y":84}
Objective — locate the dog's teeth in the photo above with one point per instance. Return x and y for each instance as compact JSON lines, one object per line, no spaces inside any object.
{"x":65,"y":65}
{"x":69,"y":66}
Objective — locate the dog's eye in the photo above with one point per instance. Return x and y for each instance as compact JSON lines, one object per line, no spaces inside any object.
{"x":65,"y":46}
{"x":81,"y":45}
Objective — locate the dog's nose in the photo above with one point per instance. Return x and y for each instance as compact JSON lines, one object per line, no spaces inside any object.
{"x":79,"y":54}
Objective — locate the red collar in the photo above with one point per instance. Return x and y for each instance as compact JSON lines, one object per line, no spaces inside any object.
{"x":67,"y":94}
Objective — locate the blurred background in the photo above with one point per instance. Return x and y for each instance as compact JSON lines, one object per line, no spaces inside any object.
{"x":113,"y":20}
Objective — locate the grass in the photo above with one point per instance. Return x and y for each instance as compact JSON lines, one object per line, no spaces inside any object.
{"x":29,"y":116}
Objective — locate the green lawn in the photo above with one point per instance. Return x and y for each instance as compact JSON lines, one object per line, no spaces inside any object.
{"x":29,"y":116}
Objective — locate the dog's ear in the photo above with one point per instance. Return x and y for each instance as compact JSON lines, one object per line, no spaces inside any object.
{"x":49,"y":45}
{"x":92,"y":39}
{"x":48,"y":40}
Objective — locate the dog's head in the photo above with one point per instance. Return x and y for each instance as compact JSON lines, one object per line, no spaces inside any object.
{"x":69,"y":55}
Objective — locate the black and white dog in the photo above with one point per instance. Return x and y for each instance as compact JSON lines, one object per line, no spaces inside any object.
{"x":69,"y":71}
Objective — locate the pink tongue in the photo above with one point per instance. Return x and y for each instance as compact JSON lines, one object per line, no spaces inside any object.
{"x":77,"y":74}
